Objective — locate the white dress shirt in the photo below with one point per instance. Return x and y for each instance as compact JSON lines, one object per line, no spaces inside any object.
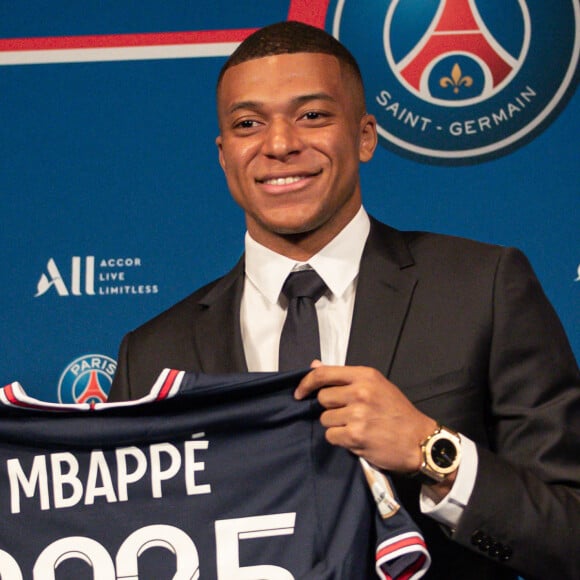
{"x":263,"y":307}
{"x":263,"y":310}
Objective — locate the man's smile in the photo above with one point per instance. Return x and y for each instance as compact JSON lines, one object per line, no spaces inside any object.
{"x":283,"y":180}
{"x":287,"y":179}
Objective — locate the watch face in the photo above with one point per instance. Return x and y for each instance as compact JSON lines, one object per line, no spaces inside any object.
{"x":443,"y":453}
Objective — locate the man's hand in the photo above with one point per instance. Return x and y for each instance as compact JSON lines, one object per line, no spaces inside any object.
{"x":368,"y":415}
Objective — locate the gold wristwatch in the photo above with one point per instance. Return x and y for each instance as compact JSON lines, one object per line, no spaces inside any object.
{"x":441,"y":453}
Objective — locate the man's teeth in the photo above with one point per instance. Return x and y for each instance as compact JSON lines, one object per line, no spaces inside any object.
{"x":283,"y":180}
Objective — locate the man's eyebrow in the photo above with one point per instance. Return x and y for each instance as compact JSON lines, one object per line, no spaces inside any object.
{"x":296,"y":101}
{"x":253,"y":105}
{"x":314,"y":97}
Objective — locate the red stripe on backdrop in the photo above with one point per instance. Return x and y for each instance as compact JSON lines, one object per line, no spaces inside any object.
{"x":124,"y":40}
{"x":309,"y":11}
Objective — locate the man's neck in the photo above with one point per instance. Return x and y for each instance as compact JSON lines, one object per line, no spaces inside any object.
{"x":347,"y":239}
{"x":298,"y":247}
{"x":301,"y":246}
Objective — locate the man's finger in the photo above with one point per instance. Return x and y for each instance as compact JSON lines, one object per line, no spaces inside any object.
{"x":322,"y":376}
{"x":336,"y":397}
{"x":334,"y":418}
{"x":341,"y":436}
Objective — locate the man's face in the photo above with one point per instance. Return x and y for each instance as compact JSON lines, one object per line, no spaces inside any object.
{"x":292,"y":134}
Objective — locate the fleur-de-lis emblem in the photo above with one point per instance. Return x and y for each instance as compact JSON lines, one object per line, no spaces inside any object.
{"x":456,"y":79}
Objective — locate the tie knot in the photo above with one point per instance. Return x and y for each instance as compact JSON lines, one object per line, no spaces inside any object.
{"x":303,"y":284}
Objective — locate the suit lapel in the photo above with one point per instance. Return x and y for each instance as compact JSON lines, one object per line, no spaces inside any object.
{"x":217,"y":332}
{"x":384,"y":293}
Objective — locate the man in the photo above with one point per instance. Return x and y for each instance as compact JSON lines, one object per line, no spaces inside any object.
{"x":417,"y":330}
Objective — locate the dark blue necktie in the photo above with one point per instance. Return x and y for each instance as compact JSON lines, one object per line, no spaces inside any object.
{"x":300,"y":339}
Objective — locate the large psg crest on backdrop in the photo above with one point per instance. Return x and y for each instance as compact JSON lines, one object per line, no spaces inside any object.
{"x":460,"y":81}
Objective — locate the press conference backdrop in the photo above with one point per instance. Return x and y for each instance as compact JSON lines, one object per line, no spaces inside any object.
{"x":112,"y":202}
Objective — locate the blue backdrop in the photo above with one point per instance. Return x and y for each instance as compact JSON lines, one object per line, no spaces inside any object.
{"x":112,"y":202}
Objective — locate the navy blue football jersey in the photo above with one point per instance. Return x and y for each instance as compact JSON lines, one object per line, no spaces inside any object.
{"x":224,"y":477}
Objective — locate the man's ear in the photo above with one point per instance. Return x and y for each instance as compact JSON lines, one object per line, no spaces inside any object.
{"x":218,"y":142}
{"x":368,"y":137}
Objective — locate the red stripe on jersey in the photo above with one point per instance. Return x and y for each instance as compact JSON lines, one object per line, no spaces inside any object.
{"x":167,"y":384}
{"x":9,"y":392}
{"x":412,"y":569}
{"x":397,"y":545}
{"x":13,"y":399}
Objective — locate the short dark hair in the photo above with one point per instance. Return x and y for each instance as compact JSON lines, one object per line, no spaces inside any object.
{"x":290,"y":37}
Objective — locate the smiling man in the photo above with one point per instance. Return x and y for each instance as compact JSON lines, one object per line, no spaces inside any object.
{"x":440,"y":360}
{"x":293,"y":132}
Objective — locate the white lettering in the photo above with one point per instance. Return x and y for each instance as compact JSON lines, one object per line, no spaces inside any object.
{"x":157,"y":473}
{"x":120,"y":263}
{"x":122,"y":290}
{"x":455,"y":128}
{"x":55,"y":279}
{"x":401,"y":113}
{"x":76,"y":276}
{"x":61,"y":478}
{"x":85,"y":549}
{"x":512,"y":109}
{"x":99,"y":363}
{"x":191,"y":466}
{"x":90,"y":275}
{"x":112,"y":276}
{"x":98,"y":469}
{"x":499,"y":117}
{"x":38,"y":476}
{"x":496,"y":118}
{"x":45,"y":283}
{"x":469,"y":130}
{"x":383,"y":98}
{"x":528,"y":94}
{"x":9,"y":567}
{"x":228,"y":535}
{"x":125,"y":477}
{"x":158,"y":536}
{"x":107,"y":477}
{"x":484,"y":123}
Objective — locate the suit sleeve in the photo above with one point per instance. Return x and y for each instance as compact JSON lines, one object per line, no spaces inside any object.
{"x":120,"y":389}
{"x":525,"y":506}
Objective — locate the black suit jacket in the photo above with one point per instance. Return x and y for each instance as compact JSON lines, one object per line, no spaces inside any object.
{"x":465,"y":331}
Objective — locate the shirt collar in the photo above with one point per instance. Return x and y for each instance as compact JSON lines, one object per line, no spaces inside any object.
{"x":337,"y":263}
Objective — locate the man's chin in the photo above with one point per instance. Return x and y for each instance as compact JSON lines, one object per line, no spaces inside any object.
{"x":296,"y":228}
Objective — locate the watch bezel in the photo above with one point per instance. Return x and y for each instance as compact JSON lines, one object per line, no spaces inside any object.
{"x":429,"y":467}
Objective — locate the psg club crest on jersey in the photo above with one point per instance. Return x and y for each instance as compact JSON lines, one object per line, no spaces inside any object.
{"x":461,"y":81}
{"x":87,"y":379}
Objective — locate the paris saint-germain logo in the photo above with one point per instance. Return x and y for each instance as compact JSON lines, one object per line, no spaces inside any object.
{"x":87,"y":379}
{"x":462,"y":81}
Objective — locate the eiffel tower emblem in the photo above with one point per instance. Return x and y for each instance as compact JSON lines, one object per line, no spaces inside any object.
{"x":93,"y":391}
{"x":457,"y":28}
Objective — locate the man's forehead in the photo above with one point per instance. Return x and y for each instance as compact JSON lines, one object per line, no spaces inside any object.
{"x":285,"y":61}
{"x":319,"y":70}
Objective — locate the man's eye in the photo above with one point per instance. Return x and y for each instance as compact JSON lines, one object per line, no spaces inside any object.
{"x":313,"y":115}
{"x":246,"y":124}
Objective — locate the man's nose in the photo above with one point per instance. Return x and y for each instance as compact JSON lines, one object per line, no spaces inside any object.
{"x":282,"y":139}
